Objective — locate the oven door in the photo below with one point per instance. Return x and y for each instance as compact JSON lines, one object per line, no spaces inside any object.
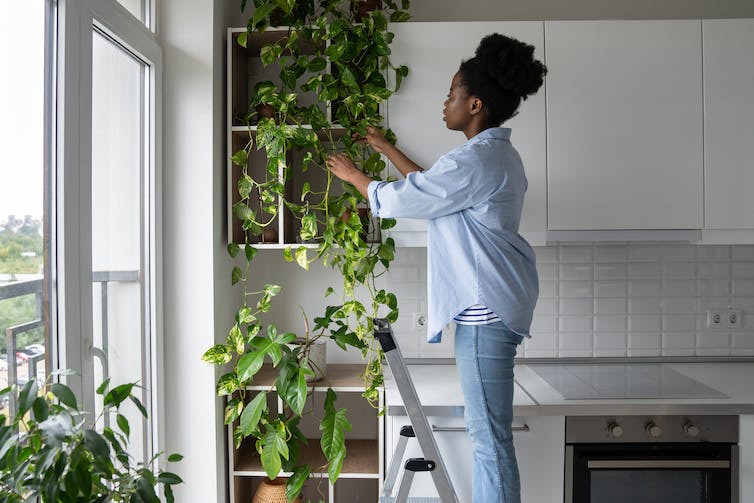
{"x":651,"y":473}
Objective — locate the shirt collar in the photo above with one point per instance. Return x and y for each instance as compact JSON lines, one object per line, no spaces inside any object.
{"x":495,"y":133}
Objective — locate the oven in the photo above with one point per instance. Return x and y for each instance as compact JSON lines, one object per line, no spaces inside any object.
{"x":659,"y":459}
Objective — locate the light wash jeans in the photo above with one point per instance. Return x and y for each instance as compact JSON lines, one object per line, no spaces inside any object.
{"x":484,"y":358}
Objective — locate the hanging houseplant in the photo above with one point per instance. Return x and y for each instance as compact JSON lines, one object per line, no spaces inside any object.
{"x":344,"y":66}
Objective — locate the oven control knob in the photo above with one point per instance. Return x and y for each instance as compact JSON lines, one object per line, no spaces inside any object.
{"x":615,"y":430}
{"x":653,"y":430}
{"x":691,"y":430}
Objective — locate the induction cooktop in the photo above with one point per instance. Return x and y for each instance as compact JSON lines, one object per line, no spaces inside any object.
{"x":614,"y":380}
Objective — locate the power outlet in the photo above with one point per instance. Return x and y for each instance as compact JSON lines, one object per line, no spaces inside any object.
{"x":733,"y":318}
{"x":420,"y":321}
{"x":724,"y":319}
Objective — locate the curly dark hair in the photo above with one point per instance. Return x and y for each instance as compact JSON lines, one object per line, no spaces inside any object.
{"x":502,"y":72}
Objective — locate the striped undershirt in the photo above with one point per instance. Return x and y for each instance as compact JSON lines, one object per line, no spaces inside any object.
{"x":478,"y":314}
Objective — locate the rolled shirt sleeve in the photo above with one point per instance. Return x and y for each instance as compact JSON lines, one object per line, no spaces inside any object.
{"x":441,"y":190}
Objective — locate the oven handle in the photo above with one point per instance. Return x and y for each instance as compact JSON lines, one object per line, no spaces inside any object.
{"x":658,"y":463}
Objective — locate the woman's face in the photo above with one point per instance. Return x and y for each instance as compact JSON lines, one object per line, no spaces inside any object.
{"x":457,"y":108}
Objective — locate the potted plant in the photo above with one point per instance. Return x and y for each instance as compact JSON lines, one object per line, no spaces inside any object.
{"x":340,"y":55}
{"x":53,"y":452}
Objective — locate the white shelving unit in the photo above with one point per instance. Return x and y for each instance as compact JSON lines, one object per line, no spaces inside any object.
{"x":360,"y":479}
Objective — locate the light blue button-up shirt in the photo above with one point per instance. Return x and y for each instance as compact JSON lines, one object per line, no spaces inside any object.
{"x":472,"y":197}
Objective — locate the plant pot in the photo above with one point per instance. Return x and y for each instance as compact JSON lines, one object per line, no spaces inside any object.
{"x":317,"y":357}
{"x":269,"y":235}
{"x":361,"y":9}
{"x":272,"y":491}
{"x":265,"y":111}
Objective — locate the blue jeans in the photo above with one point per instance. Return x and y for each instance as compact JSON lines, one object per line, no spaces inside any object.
{"x":484,"y":358}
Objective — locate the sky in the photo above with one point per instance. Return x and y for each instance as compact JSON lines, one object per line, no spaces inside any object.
{"x":21,"y":107}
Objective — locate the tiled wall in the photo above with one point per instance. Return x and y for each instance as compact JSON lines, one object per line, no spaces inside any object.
{"x":612,"y":300}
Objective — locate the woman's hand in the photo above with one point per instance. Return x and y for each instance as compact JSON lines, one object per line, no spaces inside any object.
{"x":376,"y":139}
{"x":343,"y":167}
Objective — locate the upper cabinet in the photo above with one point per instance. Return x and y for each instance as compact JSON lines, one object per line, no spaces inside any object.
{"x":433,"y":52}
{"x":624,"y":125}
{"x":729,"y":130}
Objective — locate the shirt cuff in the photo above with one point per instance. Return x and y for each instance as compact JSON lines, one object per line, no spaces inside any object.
{"x":374,"y":201}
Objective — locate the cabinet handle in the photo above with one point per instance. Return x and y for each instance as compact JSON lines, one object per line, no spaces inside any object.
{"x":523,"y":428}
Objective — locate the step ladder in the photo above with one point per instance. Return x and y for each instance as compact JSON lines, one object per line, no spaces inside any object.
{"x":420,"y":429}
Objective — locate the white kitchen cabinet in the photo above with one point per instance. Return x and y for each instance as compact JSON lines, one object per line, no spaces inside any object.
{"x":624,"y":125}
{"x":728,"y":129}
{"x":433,"y":52}
{"x":539,"y":443}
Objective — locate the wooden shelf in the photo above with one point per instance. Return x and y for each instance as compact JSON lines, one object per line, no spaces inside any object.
{"x":362,"y":460}
{"x":340,"y":377}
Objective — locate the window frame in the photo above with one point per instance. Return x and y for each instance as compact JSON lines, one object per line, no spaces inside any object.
{"x":72,"y":223}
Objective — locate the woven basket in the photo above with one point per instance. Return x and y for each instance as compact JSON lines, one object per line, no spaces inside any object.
{"x":272,"y":491}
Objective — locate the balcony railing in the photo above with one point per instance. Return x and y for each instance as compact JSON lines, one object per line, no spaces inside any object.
{"x":36,"y":287}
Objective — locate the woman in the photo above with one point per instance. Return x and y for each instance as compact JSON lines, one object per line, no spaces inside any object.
{"x":481,"y":272}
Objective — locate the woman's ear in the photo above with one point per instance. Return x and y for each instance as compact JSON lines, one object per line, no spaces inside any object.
{"x":476,"y":105}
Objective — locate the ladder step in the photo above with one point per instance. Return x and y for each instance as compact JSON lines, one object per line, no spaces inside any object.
{"x":391,"y":499}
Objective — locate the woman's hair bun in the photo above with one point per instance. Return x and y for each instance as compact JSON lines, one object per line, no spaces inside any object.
{"x":511,"y":64}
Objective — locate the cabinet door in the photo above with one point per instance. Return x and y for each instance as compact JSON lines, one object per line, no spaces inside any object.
{"x":624,"y":125}
{"x":729,"y":123}
{"x":540,"y":450}
{"x":433,"y":52}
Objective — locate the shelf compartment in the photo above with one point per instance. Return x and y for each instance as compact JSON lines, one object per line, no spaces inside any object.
{"x":362,"y":459}
{"x":340,"y":377}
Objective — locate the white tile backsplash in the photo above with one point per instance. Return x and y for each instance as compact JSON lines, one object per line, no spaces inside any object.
{"x":613,"y":300}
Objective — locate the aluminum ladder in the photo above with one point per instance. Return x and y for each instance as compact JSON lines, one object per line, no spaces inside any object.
{"x":420,"y":429}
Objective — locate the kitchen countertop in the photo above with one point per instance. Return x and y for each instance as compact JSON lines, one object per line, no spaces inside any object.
{"x":440,"y":391}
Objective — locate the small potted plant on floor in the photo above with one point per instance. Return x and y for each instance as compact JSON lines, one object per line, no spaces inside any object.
{"x":53,"y":452}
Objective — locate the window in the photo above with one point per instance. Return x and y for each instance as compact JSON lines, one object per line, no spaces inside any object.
{"x":24,"y":215}
{"x":139,"y":8}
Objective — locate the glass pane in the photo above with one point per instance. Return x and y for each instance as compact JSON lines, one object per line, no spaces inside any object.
{"x":118,"y":216}
{"x":648,"y":486}
{"x":138,"y":8}
{"x":22,"y":211}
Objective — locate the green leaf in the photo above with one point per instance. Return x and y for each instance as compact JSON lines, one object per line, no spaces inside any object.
{"x":233,"y":249}
{"x":40,"y":409}
{"x":399,"y":17}
{"x":308,"y":227}
{"x":139,"y":405}
{"x":329,"y":291}
{"x":123,"y":424}
{"x":296,"y":482}
{"x":306,"y":188}
{"x":288,"y":254}
{"x":103,"y":387}
{"x":270,"y":453}
{"x":169,"y":478}
{"x":335,"y":51}
{"x":400,"y":73}
{"x":236,"y":275}
{"x":228,"y":384}
{"x":272,"y":290}
{"x":26,"y":397}
{"x":173,"y":458}
{"x":317,"y":64}
{"x":250,"y":363}
{"x":64,"y":394}
{"x":250,"y":252}
{"x":96,"y":444}
{"x":240,"y":158}
{"x":233,"y":410}
{"x":252,"y":413}
{"x":241,"y":39}
{"x":235,"y":337}
{"x":301,"y":257}
{"x":333,"y":442}
{"x":296,"y":397}
{"x":217,"y":355}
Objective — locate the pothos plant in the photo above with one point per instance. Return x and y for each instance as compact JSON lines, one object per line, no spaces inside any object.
{"x":333,"y":52}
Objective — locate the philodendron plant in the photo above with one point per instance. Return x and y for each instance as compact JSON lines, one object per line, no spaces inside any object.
{"x":340,"y":59}
{"x":52,"y":452}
